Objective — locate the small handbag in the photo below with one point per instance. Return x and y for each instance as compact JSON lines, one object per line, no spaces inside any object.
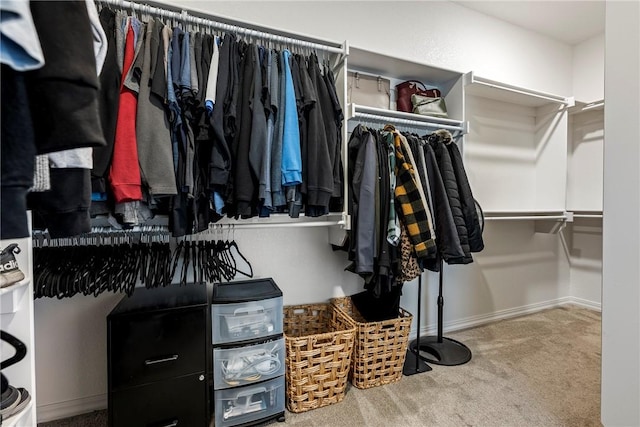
{"x":412,"y":87}
{"x":368,"y":90}
{"x":427,"y":106}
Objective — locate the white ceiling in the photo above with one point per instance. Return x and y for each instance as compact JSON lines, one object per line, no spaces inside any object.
{"x":571,"y":22}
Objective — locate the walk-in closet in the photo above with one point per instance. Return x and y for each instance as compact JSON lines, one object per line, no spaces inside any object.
{"x":223,"y":213}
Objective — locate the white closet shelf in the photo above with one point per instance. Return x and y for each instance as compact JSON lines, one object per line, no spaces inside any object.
{"x":492,"y":89}
{"x":159,"y":224}
{"x":527,"y":215}
{"x":11,"y":296}
{"x":14,"y":287}
{"x":283,"y":220}
{"x":580,"y":107}
{"x":376,"y":63}
{"x":587,"y":213}
{"x":402,"y":118}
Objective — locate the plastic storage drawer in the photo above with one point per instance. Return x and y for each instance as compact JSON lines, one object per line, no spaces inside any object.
{"x":250,"y":403}
{"x":249,"y":364}
{"x":246,"y":320}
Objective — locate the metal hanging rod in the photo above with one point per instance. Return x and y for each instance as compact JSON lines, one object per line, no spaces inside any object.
{"x":226,"y":24}
{"x":104,"y":236}
{"x":298,"y":224}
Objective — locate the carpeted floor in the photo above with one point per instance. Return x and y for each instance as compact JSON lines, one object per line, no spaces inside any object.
{"x":537,"y":370}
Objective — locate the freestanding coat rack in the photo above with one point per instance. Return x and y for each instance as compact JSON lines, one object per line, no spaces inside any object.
{"x":413,"y":364}
{"x":436,"y":348}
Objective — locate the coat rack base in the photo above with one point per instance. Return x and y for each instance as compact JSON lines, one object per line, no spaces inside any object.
{"x":441,"y":351}
{"x":414,"y":364}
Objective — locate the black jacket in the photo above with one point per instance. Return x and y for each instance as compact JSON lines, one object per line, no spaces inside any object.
{"x":319,"y":166}
{"x":445,"y":166}
{"x":64,"y":93}
{"x":469,"y":212}
{"x":447,"y":239}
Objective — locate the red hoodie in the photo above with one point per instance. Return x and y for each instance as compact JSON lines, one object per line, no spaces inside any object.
{"x":124,"y":174}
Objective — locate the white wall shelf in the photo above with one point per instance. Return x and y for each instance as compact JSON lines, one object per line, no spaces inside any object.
{"x":516,"y":148}
{"x":581,"y":107}
{"x":527,"y":216}
{"x":487,"y":88}
{"x":17,"y":319}
{"x":587,"y":214}
{"x":11,"y":296}
{"x":547,"y":222}
{"x":377,"y":63}
{"x":397,"y":70}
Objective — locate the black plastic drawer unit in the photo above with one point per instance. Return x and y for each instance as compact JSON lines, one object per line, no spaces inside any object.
{"x":158,"y":358}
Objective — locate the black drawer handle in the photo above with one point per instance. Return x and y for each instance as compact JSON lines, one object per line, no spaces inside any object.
{"x":165,"y":359}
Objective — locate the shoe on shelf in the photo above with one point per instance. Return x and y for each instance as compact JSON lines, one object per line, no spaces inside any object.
{"x":22,"y":403}
{"x":9,"y":271}
{"x":9,"y":400}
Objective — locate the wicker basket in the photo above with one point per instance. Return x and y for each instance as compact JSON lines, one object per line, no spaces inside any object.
{"x":319,"y":341}
{"x":380,"y":349}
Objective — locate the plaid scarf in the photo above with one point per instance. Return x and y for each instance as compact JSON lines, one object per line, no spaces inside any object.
{"x":414,"y":213}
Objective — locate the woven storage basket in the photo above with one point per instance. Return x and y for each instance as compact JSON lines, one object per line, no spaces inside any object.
{"x":380,"y":349}
{"x":319,"y":341}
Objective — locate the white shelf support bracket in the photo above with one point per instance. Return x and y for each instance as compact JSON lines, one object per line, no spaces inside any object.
{"x":569,"y":216}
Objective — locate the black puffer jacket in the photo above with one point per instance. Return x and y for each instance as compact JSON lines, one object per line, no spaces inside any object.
{"x":447,"y":238}
{"x":474,"y":232}
{"x":448,"y":175}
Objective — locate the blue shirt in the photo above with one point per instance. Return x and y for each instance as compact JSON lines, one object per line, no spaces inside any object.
{"x":291,"y":158}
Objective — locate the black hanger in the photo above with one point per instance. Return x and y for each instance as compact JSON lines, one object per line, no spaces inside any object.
{"x":234,"y":245}
{"x":21,"y":352}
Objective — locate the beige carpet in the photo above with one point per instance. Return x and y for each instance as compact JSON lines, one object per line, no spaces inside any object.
{"x":537,"y":370}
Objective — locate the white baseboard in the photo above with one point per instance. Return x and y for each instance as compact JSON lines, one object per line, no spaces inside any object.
{"x":585,"y":303}
{"x":70,"y":408}
{"x":483,"y":319}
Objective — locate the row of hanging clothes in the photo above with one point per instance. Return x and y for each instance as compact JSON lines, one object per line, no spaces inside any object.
{"x":118,"y":262}
{"x":411,"y":206}
{"x":145,"y":113}
{"x":249,"y":129}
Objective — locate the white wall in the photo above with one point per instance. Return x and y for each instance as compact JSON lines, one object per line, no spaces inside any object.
{"x":588,"y":70}
{"x":584,"y":249}
{"x":585,"y":164}
{"x":621,"y":225}
{"x":519,"y":269}
{"x":444,"y":34}
{"x":585,"y":193}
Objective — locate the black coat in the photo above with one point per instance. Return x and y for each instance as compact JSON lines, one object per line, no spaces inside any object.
{"x":474,"y":232}
{"x":447,"y":239}
{"x":447,"y":172}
